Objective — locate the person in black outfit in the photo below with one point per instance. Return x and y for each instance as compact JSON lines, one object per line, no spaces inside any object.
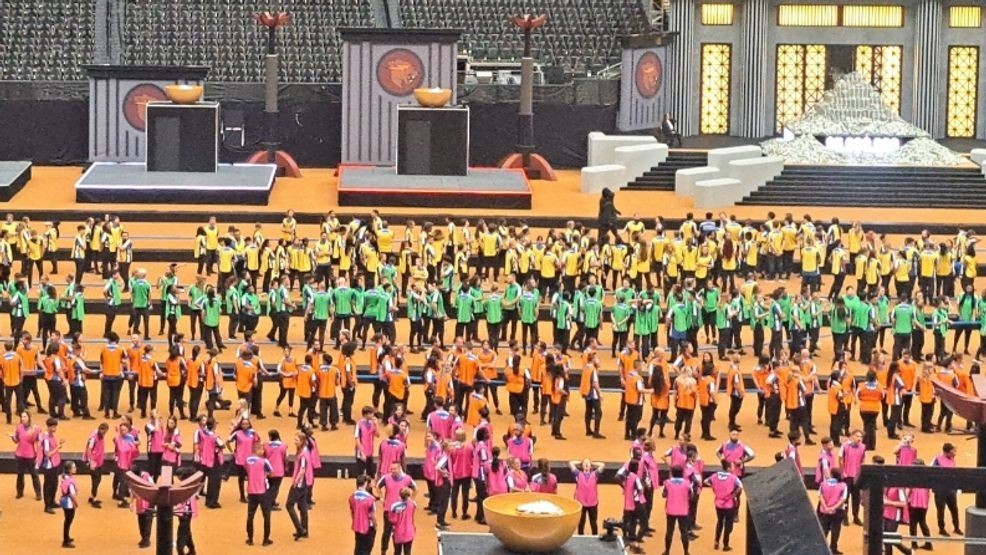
{"x":608,"y":213}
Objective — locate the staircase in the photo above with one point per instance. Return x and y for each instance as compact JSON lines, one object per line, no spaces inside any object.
{"x":661,"y":178}
{"x":874,"y":186}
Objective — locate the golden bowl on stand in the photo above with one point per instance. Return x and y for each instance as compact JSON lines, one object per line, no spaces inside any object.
{"x":183,"y":94}
{"x":433,"y":97}
{"x":531,"y":533}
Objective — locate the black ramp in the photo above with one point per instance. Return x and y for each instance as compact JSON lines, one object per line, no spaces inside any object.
{"x":783,"y":517}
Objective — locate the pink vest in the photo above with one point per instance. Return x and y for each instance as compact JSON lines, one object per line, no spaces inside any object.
{"x":678,"y":457}
{"x":906,"y":455}
{"x":724,"y":488}
{"x":361,"y":507}
{"x":834,"y":493}
{"x":391,"y":451}
{"x":173,"y":457}
{"x":480,"y":460}
{"x":497,"y":480}
{"x":918,"y":498}
{"x":587,"y":488}
{"x":895,"y":514}
{"x":650,"y":471}
{"x":303,"y":464}
{"x":365,"y":432}
{"x":461,"y":459}
{"x":66,"y":489}
{"x":944,"y":462}
{"x":516,"y":481}
{"x":633,"y":492}
{"x":48,"y":442}
{"x":141,"y":506}
{"x":209,"y":455}
{"x":95,"y":454}
{"x":678,"y":494}
{"x":432,"y":453}
{"x":392,"y":488}
{"x":244,"y":441}
{"x":125,"y":450}
{"x":27,"y":439}
{"x":544,"y":483}
{"x":401,"y":515}
{"x":314,"y":456}
{"x":522,"y":448}
{"x":734,"y":453}
{"x":853,"y":455}
{"x":256,"y":474}
{"x":155,"y":439}
{"x":440,"y":422}
{"x":277,"y":453}
{"x":826,"y":460}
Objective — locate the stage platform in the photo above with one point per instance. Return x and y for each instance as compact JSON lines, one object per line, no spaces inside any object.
{"x":13,"y":177}
{"x":481,"y":188}
{"x":455,"y":543}
{"x":129,"y":183}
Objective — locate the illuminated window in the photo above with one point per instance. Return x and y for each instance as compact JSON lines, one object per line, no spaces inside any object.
{"x":716,"y":69}
{"x":872,"y":16}
{"x":968,"y":17}
{"x":963,"y":80}
{"x":717,"y":14}
{"x":805,"y":15}
{"x":881,"y":67}
{"x":800,"y":78}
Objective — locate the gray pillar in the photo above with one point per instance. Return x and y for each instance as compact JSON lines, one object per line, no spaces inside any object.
{"x":928,"y":100}
{"x":752,"y":99}
{"x":683,"y":58}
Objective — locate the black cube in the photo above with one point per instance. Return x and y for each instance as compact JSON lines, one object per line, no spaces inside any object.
{"x":182,"y":137}
{"x":432,"y":141}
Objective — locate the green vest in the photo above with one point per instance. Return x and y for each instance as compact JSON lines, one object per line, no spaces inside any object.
{"x":114,"y":299}
{"x":210,"y":312}
{"x":529,"y":306}
{"x":494,"y":308}
{"x":593,"y":311}
{"x":140,"y":293}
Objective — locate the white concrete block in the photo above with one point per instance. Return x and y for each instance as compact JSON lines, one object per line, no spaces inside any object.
{"x":754,"y":173}
{"x":638,"y":159}
{"x":983,"y":165}
{"x":719,"y":157}
{"x":595,"y":178}
{"x":602,"y":147}
{"x":978,"y":155}
{"x":712,"y":193}
{"x":685,"y":179}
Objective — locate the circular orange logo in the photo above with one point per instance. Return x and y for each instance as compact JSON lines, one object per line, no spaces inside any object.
{"x":648,"y":74}
{"x":400,"y":71}
{"x":135,"y":103}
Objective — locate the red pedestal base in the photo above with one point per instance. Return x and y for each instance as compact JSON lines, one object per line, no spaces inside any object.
{"x":286,"y":166}
{"x":540,"y":168}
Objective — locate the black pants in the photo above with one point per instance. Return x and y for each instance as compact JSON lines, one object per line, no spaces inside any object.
{"x":708,"y":415}
{"x":481,"y":493}
{"x":919,"y":519}
{"x":590,"y":514}
{"x":26,"y":466}
{"x":943,"y":499}
{"x":145,"y":524}
{"x":593,"y":415}
{"x":853,"y":493}
{"x":364,"y":542}
{"x":443,"y":491}
{"x":50,"y":487}
{"x":214,"y":477}
{"x":724,"y":525}
{"x":682,"y":522}
{"x":9,"y":406}
{"x":184,"y":543}
{"x":735,"y":405}
{"x":460,"y":486}
{"x":683,"y":421}
{"x":632,"y":531}
{"x":329,"y":411}
{"x":927,"y":412}
{"x":67,"y":525}
{"x":255,"y":500}
{"x":869,"y":429}
{"x":140,"y":317}
{"x":891,"y":526}
{"x":832,"y":527}
{"x":297,"y":507}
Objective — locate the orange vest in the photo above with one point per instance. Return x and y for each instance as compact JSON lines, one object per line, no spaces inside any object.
{"x":327,"y":382}
{"x":791,"y":392}
{"x":476,"y":402}
{"x":585,"y":385}
{"x":833,"y":396}
{"x":443,"y":385}
{"x":305,"y":381}
{"x":112,"y":361}
{"x":731,"y":388}
{"x":145,"y":372}
{"x":172,"y":370}
{"x":515,"y":380}
{"x":537,"y":367}
{"x":11,"y":370}
{"x":194,"y":368}
{"x":290,"y":381}
{"x":908,"y":373}
{"x":348,"y":376}
{"x":210,"y":378}
{"x":396,"y":384}
{"x":704,"y":397}
{"x":926,"y":390}
{"x":486,"y":364}
{"x":245,"y":372}
{"x":662,"y":400}
{"x":28,"y":356}
{"x":684,"y":396}
{"x":466,"y":369}
{"x":870,"y":398}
